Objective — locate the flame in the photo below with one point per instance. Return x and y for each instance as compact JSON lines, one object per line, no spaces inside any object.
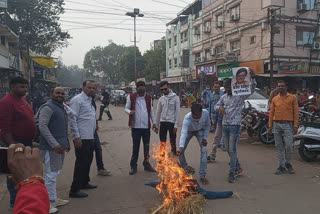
{"x":175,"y":184}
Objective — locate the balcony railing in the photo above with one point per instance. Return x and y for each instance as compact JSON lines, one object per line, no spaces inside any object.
{"x":5,"y":19}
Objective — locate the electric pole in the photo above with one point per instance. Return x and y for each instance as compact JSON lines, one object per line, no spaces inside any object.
{"x":271,"y":20}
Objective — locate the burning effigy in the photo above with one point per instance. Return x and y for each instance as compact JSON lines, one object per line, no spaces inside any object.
{"x":181,"y":193}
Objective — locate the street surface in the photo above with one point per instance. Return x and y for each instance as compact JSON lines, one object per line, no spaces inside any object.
{"x":257,"y":191}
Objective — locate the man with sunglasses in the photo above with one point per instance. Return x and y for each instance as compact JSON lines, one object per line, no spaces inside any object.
{"x":168,"y":116}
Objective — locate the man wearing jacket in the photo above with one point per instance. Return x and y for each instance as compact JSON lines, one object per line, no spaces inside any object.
{"x":140,"y":110}
{"x":168,"y":116}
{"x":53,"y":126}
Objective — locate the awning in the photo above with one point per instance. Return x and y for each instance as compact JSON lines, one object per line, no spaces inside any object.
{"x":44,"y":61}
{"x":289,"y":75}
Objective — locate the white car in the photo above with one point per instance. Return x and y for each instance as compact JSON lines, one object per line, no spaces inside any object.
{"x":258,"y":100}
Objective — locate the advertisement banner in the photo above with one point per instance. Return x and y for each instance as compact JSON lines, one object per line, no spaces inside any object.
{"x":3,"y":3}
{"x":225,"y":70}
{"x":293,"y":68}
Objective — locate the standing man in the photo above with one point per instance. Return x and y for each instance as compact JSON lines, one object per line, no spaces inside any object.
{"x":284,"y":122}
{"x":53,"y":126}
{"x":83,"y":126}
{"x":17,"y":124}
{"x":196,"y":123}
{"x":105,"y":100}
{"x":140,"y":110}
{"x":230,"y":107}
{"x":168,"y":116}
{"x":206,"y":96}
{"x":216,"y":120}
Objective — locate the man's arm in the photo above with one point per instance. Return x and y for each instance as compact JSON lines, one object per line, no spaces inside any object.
{"x":295,"y":113}
{"x":272,"y":108}
{"x":158,"y":115}
{"x":176,"y":124}
{"x":6,"y":118}
{"x":127,"y":108}
{"x":75,"y":106}
{"x":44,"y":118}
{"x":184,"y":132}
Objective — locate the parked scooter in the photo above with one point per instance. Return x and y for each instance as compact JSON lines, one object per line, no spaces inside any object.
{"x":308,"y":139}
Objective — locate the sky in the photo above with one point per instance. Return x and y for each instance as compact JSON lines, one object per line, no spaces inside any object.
{"x":94,"y":22}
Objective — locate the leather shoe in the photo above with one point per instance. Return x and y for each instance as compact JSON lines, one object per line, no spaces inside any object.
{"x":133,"y":171}
{"x":89,"y":186}
{"x":77,"y":194}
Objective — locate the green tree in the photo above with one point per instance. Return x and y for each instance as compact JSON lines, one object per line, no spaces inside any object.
{"x":70,"y":76}
{"x":155,"y":61}
{"x":104,"y":62}
{"x":37,"y":24}
{"x":127,"y":64}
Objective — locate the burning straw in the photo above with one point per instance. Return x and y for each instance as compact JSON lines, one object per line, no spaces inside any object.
{"x":178,"y":189}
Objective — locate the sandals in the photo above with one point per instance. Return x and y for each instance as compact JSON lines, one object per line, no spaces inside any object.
{"x":189,"y":170}
{"x":204,"y":181}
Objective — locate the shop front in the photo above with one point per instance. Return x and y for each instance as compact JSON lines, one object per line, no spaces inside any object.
{"x":225,"y":70}
{"x":207,"y":74}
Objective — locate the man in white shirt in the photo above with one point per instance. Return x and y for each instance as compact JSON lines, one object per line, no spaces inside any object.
{"x":83,"y":126}
{"x":140,"y":110}
{"x":168,"y":116}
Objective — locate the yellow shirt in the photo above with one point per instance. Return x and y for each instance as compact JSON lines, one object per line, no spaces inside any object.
{"x":284,"y":109}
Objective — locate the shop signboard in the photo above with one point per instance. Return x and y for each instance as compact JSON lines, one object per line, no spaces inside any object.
{"x":210,"y":69}
{"x":293,"y":68}
{"x":174,"y":79}
{"x":314,"y":69}
{"x":225,"y":70}
{"x":257,"y":66}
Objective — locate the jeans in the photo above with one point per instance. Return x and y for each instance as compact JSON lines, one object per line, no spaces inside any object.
{"x":217,"y":140}
{"x":84,"y":157}
{"x":231,"y":136}
{"x":284,"y":130}
{"x":203,"y":150}
{"x":102,"y":107}
{"x":137,"y":134}
{"x":164,"y":128}
{"x":98,"y":151}
{"x":50,"y":179}
{"x":10,"y":185}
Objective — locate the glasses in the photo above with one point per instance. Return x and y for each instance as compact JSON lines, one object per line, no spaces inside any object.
{"x":163,"y":89}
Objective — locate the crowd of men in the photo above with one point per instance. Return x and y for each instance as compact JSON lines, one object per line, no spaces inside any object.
{"x":221,"y":110}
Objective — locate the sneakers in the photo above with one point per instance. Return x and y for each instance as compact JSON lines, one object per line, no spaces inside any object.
{"x":104,"y":172}
{"x":211,"y":159}
{"x":53,"y":209}
{"x":238,"y":172}
{"x":289,"y":168}
{"x":280,"y":170}
{"x":231,"y":179}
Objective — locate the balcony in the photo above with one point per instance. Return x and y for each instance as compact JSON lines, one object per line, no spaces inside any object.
{"x":8,"y":27}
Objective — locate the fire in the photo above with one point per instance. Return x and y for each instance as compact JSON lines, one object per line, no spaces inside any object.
{"x":175,"y":184}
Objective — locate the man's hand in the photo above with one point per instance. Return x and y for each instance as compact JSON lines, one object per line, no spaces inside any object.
{"x":77,"y":143}
{"x":252,"y":73}
{"x":204,"y":142}
{"x":295,"y":131}
{"x":154,"y":128}
{"x":270,"y":130}
{"x":59,"y":149}
{"x":175,"y":130}
{"x":24,"y":164}
{"x":222,"y":111}
{"x":179,"y":152}
{"x":132,"y":113}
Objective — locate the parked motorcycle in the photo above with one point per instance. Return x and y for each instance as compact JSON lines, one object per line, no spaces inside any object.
{"x":308,"y":139}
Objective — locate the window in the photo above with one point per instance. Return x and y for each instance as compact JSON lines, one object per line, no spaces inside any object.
{"x":197,"y":30}
{"x":311,"y":4}
{"x":181,"y":37}
{"x":235,"y":45}
{"x":197,"y":57}
{"x":3,"y":40}
{"x":169,"y":41}
{"x":207,"y":26}
{"x":252,"y":40}
{"x":186,"y":36}
{"x":175,"y":62}
{"x":277,"y":30}
{"x":207,"y":54}
{"x":170,"y":63}
{"x":235,"y":13}
{"x":219,"y":21}
{"x":305,"y":37}
{"x":175,"y":40}
{"x":219,"y":50}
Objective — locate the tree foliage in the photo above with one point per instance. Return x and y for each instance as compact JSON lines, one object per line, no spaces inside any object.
{"x":104,"y":62}
{"x":37,"y":23}
{"x":70,"y":76}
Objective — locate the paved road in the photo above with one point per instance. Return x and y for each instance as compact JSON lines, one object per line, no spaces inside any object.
{"x":257,"y":191}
